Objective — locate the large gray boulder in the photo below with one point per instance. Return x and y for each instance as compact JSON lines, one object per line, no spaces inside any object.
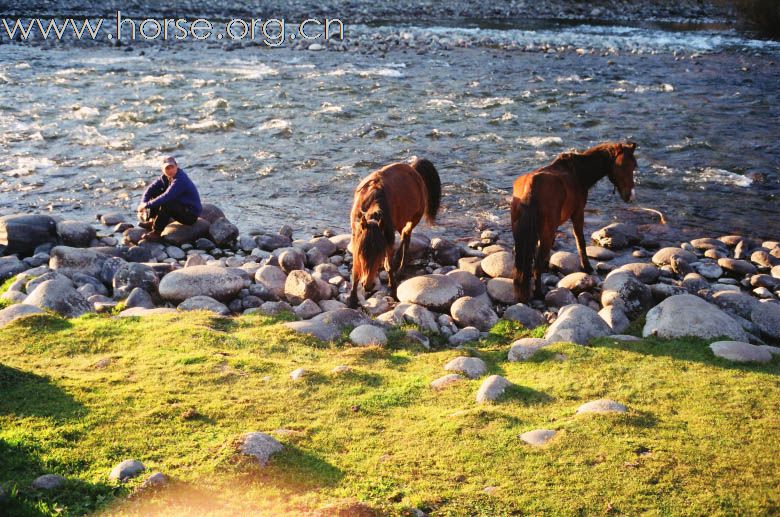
{"x":740,"y":352}
{"x":22,"y":233}
{"x":635,"y":296}
{"x":471,"y":285}
{"x":435,"y":292}
{"x":67,"y":261}
{"x":75,"y":233}
{"x":687,"y":315}
{"x":132,"y":275}
{"x":59,"y":296}
{"x":502,"y":290}
{"x":223,"y":232}
{"x":499,"y":265}
{"x":474,"y":312}
{"x":16,"y":311}
{"x":219,"y":283}
{"x":577,"y":324}
{"x":766,"y":316}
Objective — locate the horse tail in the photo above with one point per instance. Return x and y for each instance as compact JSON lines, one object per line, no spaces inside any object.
{"x":432,"y":184}
{"x":526,"y":234}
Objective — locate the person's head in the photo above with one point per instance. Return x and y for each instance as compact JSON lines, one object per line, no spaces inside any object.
{"x":170,"y":167}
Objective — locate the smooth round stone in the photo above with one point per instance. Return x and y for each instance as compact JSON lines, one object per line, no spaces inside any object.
{"x":435,"y":292}
{"x":775,"y":271}
{"x":16,"y":311}
{"x":538,"y":436}
{"x":471,"y":285}
{"x":499,"y":265}
{"x":156,"y":480}
{"x":707,"y":243}
{"x":708,"y":270}
{"x":204,"y":303}
{"x":664,"y":256}
{"x":474,"y":312}
{"x":737,"y":267}
{"x":687,"y":315}
{"x":261,"y":446}
{"x":565,"y":262}
{"x":464,"y":336}
{"x":577,"y":324}
{"x":126,"y":470}
{"x":577,"y":282}
{"x":625,"y":338}
{"x":740,"y":352}
{"x":528,"y":317}
{"x":559,"y":297}
{"x":446,"y":381}
{"x":599,"y":253}
{"x":298,"y":373}
{"x":48,"y":482}
{"x":523,"y":349}
{"x":602,"y":406}
{"x":501,"y":290}
{"x":471,"y":367}
{"x":341,"y":369}
{"x":368,"y":335}
{"x":492,"y":388}
{"x":644,"y":272}
{"x":217,"y":282}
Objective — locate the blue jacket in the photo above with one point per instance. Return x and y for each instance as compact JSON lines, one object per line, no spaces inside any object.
{"x":181,"y":190}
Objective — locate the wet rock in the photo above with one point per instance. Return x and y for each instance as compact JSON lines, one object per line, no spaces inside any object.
{"x":446,"y":381}
{"x":499,"y":265}
{"x":565,"y":262}
{"x":48,"y":482}
{"x":740,"y":352}
{"x":559,"y":297}
{"x":22,"y":233}
{"x":204,"y":303}
{"x":538,"y":437}
{"x":222,"y":232}
{"x":14,"y":312}
{"x":67,"y":261}
{"x":75,"y":233}
{"x":436,"y":292}
{"x":492,"y":389}
{"x":272,"y":278}
{"x":602,"y":406}
{"x":471,"y":285}
{"x":615,"y":317}
{"x":737,"y":268}
{"x":525,"y":348}
{"x":219,"y":283}
{"x":126,"y":470}
{"x":59,"y":296}
{"x":687,"y":315}
{"x":474,"y":312}
{"x":766,"y":316}
{"x":501,"y":290}
{"x":635,"y":296}
{"x":664,"y":256}
{"x":178,"y":234}
{"x":261,"y":446}
{"x":307,"y":309}
{"x":471,"y":367}
{"x":368,"y":335}
{"x":577,"y":324}
{"x":526,"y":316}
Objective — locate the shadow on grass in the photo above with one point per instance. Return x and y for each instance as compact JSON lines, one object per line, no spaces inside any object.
{"x":686,"y":349}
{"x":28,"y":394}
{"x":19,"y":466}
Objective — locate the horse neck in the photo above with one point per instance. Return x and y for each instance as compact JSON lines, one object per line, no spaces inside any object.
{"x":591,"y":167}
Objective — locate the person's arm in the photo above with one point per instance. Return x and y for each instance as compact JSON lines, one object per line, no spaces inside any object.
{"x":173,"y":191}
{"x":154,"y":189}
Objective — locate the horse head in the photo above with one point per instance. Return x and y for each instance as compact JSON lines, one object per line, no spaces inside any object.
{"x":622,"y":173}
{"x":371,"y":248}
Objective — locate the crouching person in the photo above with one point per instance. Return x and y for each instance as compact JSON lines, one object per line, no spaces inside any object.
{"x":172,"y":196}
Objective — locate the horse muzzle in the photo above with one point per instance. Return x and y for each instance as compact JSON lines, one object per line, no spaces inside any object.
{"x":628,"y":196}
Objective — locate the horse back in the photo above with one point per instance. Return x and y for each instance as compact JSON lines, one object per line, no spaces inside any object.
{"x":405,"y":192}
{"x":553,"y":188}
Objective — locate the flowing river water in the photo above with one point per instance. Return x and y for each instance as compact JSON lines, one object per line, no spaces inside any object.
{"x":283,"y":136}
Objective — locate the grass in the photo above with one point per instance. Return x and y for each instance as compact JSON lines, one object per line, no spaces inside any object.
{"x":176,"y":391}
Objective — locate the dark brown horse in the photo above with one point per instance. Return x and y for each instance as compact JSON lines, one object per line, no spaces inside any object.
{"x":547,"y":197}
{"x":392,"y":199}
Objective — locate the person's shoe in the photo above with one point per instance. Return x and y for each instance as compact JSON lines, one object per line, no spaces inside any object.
{"x":152,"y":236}
{"x":146,"y":225}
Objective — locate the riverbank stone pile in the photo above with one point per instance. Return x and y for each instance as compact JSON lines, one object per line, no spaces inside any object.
{"x":724,"y":287}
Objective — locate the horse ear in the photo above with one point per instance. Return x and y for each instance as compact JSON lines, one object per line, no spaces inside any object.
{"x":629,"y":146}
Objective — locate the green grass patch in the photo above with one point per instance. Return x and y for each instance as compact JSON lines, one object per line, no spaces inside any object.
{"x":176,"y":391}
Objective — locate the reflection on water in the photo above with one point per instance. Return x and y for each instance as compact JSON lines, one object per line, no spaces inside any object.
{"x":283,"y":136}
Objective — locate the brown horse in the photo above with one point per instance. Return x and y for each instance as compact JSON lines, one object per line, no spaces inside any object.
{"x":547,"y":197}
{"x":392,"y":199}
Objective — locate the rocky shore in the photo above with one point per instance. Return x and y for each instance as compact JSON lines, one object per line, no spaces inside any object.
{"x":453,"y":293}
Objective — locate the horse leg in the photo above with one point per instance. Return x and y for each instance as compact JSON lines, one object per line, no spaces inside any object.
{"x":546,"y":238}
{"x":391,"y":274}
{"x":403,"y":249}
{"x":352,"y":303}
{"x":578,"y":223}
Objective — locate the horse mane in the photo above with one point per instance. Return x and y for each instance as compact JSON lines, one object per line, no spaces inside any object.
{"x":374,"y":229}
{"x":592,"y":164}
